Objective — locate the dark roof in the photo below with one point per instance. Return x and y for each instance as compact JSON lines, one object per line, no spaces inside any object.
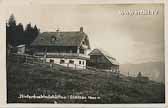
{"x":73,"y":38}
{"x":108,"y":56}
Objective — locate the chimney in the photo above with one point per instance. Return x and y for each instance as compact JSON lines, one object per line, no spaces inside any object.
{"x":57,"y":30}
{"x":81,"y":29}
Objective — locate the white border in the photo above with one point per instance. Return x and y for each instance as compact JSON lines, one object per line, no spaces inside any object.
{"x":4,"y":3}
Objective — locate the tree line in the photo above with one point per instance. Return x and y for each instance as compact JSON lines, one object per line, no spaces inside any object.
{"x":17,"y":35}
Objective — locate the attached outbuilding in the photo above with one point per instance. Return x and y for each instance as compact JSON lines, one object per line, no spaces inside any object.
{"x":100,"y":59}
{"x":21,"y":49}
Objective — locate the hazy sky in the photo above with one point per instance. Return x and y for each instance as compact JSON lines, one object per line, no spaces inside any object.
{"x":130,"y":39}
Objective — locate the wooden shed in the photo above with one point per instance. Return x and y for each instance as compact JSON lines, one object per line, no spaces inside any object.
{"x":102,"y":60}
{"x":21,"y":49}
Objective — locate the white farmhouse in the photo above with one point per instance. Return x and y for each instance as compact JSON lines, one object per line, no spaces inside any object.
{"x":65,"y":48}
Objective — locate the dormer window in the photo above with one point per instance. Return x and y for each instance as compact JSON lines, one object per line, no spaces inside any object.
{"x":53,"y":38}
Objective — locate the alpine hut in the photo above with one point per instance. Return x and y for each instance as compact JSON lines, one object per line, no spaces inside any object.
{"x":64,"y":48}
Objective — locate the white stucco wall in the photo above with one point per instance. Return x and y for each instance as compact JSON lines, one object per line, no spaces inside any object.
{"x":67,"y":64}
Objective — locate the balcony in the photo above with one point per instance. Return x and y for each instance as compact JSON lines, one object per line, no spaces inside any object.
{"x":62,"y":55}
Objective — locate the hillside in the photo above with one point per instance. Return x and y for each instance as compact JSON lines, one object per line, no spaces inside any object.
{"x":106,"y":88}
{"x":154,"y":70}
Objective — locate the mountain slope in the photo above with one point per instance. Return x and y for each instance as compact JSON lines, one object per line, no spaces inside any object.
{"x":38,"y":80}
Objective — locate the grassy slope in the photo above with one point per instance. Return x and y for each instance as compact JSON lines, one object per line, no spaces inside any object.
{"x":41,"y":79}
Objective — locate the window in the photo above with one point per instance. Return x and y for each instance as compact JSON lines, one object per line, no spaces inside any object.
{"x":79,"y":62}
{"x":83,"y":62}
{"x":62,"y":61}
{"x":70,"y":51}
{"x":51,"y":61}
{"x":81,"y":51}
{"x":71,"y":61}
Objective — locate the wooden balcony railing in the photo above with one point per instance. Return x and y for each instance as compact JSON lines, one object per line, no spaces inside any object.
{"x":62,"y":54}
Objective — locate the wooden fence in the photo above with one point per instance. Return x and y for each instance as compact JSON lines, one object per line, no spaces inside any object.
{"x":30,"y":59}
{"x":25,"y":58}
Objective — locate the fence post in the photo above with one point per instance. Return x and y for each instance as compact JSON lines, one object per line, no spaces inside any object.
{"x":68,"y":65}
{"x":26,"y":58}
{"x":17,"y":59}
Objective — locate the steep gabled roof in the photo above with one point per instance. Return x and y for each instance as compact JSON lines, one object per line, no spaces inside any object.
{"x":105,"y":54}
{"x":73,"y":38}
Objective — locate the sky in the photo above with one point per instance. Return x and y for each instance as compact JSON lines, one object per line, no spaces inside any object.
{"x":129,"y":38}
